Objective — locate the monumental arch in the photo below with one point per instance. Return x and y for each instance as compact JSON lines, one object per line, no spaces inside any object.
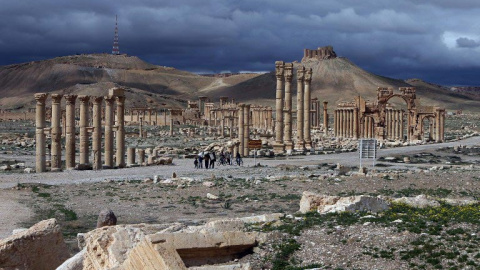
{"x":380,"y":120}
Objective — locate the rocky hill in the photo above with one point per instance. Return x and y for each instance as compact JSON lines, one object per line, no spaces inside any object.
{"x":334,"y":79}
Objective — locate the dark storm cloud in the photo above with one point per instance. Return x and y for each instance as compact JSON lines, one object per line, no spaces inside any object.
{"x":464,"y":42}
{"x":402,"y":39}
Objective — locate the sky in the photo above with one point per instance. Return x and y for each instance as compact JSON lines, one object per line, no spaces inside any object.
{"x":434,"y":40}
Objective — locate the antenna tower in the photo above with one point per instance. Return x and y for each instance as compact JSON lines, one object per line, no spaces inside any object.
{"x":116,"y":49}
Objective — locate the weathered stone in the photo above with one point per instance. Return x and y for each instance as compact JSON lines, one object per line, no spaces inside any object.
{"x":40,"y":247}
{"x":332,"y":204}
{"x":420,"y":201}
{"x":106,"y":218}
{"x":74,"y":263}
{"x":209,"y":184}
{"x":212,"y":197}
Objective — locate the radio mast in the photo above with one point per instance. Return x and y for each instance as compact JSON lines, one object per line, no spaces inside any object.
{"x":116,"y":49}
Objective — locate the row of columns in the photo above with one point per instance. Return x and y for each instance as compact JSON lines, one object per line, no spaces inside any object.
{"x":394,"y":124}
{"x":346,"y":123}
{"x":283,"y":108}
{"x":70,"y":130}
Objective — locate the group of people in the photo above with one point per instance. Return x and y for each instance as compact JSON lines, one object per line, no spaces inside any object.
{"x":209,"y":159}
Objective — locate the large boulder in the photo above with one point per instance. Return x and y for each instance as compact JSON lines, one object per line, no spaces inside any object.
{"x":332,"y":204}
{"x":40,"y":247}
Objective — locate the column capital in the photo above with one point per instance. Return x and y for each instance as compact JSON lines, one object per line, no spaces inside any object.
{"x":70,"y":99}
{"x":41,"y":97}
{"x":300,"y":74}
{"x":56,"y":98}
{"x":279,"y":68}
{"x":121,"y":99}
{"x":109,"y":99}
{"x":288,"y":72}
{"x":308,"y":75}
{"x":97,"y":100}
{"x":84,"y":99}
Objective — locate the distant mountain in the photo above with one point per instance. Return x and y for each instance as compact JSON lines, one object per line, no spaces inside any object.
{"x":334,"y":79}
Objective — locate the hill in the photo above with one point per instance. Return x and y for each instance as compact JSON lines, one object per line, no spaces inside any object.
{"x":334,"y":79}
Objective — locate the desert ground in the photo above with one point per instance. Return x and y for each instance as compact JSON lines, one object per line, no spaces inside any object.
{"x":435,"y":237}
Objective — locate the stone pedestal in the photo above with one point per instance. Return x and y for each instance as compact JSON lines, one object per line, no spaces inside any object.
{"x":97,"y":133}
{"x":130,"y":156}
{"x":40,"y":112}
{"x":70,"y":136}
{"x":141,"y":156}
{"x":56,"y":153}
{"x":84,"y":119}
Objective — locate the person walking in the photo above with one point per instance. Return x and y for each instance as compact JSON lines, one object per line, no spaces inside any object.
{"x":213,"y":158}
{"x":196,"y":162}
{"x":207,"y":160}
{"x":200,"y":160}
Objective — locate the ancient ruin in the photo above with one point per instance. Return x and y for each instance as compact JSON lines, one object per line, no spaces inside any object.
{"x":382,"y":121}
{"x":283,"y":131}
{"x":86,"y":131}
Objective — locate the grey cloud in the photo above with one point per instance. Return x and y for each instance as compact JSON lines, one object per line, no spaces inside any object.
{"x":389,"y":38}
{"x":464,"y":42}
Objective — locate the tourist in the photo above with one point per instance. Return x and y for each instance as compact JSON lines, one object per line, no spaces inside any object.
{"x":200,"y":160}
{"x":207,"y":160}
{"x":196,"y":162}
{"x":213,"y":158}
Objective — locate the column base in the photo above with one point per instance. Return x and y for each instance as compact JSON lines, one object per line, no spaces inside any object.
{"x":308,"y":145}
{"x":289,"y":146}
{"x":55,"y":169}
{"x":278,"y":148}
{"x":300,"y":146}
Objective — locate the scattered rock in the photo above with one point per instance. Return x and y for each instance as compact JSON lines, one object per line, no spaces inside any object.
{"x":106,"y":218}
{"x":332,"y":204}
{"x":420,"y":201}
{"x":212,"y":197}
{"x":209,"y":184}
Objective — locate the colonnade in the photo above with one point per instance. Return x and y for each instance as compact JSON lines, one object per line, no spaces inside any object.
{"x":283,"y":108}
{"x":115,"y":94}
{"x":394,"y":124}
{"x":346,"y":122}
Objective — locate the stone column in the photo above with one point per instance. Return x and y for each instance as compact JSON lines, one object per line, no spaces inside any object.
{"x":171,"y":127}
{"x":342,"y":123}
{"x":307,"y":99}
{"x":70,"y":136}
{"x":109,"y":131}
{"x":130,"y":156}
{"x":97,"y":133}
{"x":325,"y":117}
{"x":355,"y":123}
{"x":241,"y":126}
{"x":279,"y":146}
{"x":140,"y":128}
{"x":246,"y":129}
{"x":120,"y":135}
{"x":231,"y":126}
{"x":335,"y":123}
{"x":83,"y":128}
{"x":56,"y":133}
{"x":40,"y":151}
{"x":288,"y":107}
{"x":300,"y":143}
